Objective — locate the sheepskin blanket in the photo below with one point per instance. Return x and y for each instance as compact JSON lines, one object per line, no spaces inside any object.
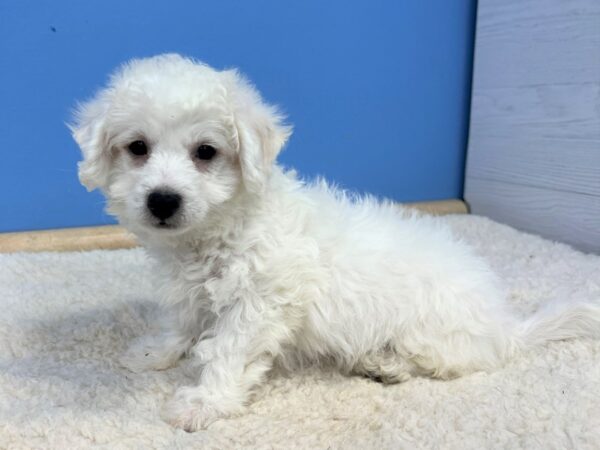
{"x":66,"y":317}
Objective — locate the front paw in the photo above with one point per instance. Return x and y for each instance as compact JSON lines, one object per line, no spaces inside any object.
{"x":192,"y":409}
{"x":149,"y":353}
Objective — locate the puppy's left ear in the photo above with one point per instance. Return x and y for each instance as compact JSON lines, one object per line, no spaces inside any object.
{"x":89,"y":132}
{"x":261,"y":133}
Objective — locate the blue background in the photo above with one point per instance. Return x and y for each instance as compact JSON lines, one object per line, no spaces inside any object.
{"x":378,"y":91}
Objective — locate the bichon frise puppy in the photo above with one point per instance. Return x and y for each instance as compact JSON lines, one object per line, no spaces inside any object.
{"x":260,"y":268}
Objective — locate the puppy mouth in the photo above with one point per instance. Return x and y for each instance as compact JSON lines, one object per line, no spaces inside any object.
{"x":164,"y":225}
{"x":154,"y":223}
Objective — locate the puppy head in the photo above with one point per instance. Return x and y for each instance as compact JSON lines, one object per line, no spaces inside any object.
{"x":169,"y":140}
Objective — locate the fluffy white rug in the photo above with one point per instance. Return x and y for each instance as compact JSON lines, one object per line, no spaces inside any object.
{"x":65,"y":318}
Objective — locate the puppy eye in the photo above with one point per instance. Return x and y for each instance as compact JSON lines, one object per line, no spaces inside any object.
{"x":138,"y":148}
{"x":205,"y":152}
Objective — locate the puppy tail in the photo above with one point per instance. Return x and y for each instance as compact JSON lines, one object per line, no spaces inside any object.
{"x":559,"y":321}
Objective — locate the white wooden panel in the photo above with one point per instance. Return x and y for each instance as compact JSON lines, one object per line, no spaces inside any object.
{"x":550,"y":111}
{"x":557,"y":164}
{"x":523,"y":42}
{"x":534,"y":142}
{"x":563,"y":216}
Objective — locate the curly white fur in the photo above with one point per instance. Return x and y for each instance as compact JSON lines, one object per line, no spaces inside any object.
{"x":259,"y":268}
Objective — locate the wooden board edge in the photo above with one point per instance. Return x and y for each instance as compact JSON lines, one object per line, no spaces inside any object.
{"x":105,"y":237}
{"x":110,"y":237}
{"x":441,"y":207}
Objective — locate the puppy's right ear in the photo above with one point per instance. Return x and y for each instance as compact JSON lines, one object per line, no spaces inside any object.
{"x":89,"y":132}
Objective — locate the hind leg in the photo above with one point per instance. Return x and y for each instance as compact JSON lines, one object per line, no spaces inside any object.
{"x":384,"y":365}
{"x":465,"y":349}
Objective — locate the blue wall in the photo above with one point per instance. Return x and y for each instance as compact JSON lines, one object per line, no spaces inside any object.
{"x":378,"y":91}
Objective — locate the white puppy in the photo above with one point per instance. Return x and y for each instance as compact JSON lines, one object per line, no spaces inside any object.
{"x":259,"y":267}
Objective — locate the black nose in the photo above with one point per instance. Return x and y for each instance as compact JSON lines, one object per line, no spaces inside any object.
{"x":163,"y":204}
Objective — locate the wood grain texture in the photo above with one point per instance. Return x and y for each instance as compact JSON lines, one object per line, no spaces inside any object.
{"x":557,"y":164}
{"x":68,"y":239}
{"x":536,"y":42}
{"x":569,"y":217}
{"x":440,"y":207}
{"x":535,"y":117}
{"x":114,"y":237}
{"x":555,"y":111}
